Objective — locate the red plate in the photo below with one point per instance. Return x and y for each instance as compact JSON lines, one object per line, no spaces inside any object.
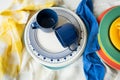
{"x":107,"y":60}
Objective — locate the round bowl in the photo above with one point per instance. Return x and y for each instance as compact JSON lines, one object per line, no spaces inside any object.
{"x":61,"y":57}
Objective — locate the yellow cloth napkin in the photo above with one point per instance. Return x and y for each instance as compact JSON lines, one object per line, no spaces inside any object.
{"x":13,"y":18}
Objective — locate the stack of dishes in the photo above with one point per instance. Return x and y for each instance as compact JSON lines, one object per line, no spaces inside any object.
{"x":109,"y":37}
{"x":44,"y":47}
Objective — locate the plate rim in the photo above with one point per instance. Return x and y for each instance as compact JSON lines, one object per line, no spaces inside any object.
{"x":107,"y":60}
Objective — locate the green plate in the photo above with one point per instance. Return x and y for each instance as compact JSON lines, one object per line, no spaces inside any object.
{"x":103,"y":35}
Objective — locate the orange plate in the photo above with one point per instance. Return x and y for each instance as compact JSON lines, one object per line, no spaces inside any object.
{"x":107,"y":60}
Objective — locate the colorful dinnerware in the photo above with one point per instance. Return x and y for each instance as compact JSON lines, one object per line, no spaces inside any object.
{"x":103,"y":54}
{"x":103,"y":36}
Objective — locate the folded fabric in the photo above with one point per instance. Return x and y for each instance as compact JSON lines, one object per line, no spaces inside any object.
{"x":14,"y":15}
{"x":93,"y":67}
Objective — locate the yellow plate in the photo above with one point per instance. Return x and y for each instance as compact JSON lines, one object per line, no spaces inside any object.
{"x":115,"y":33}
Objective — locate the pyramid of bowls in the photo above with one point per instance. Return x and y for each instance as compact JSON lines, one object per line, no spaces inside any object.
{"x":55,"y":37}
{"x":109,"y":37}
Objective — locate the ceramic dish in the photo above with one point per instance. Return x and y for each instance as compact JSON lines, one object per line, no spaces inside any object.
{"x":107,"y":60}
{"x":115,"y":33}
{"x":102,"y":54}
{"x":103,"y":36}
{"x":60,"y":58}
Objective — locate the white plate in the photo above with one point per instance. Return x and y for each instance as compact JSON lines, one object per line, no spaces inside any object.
{"x":46,"y":49}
